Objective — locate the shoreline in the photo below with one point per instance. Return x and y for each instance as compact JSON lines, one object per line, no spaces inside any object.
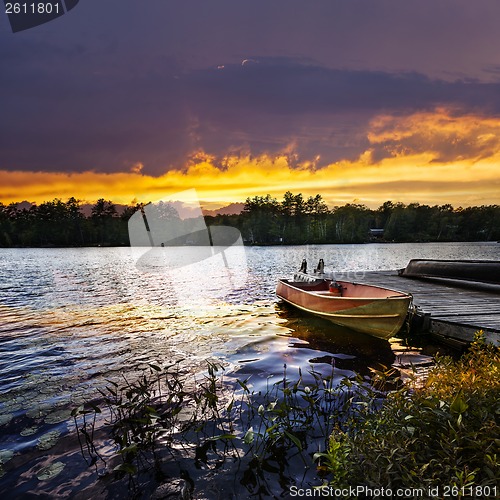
{"x":488,"y":242}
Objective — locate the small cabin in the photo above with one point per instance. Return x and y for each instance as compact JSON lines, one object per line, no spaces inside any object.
{"x":376,"y":233}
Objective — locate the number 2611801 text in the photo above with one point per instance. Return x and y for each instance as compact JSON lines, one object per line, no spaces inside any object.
{"x":32,"y":8}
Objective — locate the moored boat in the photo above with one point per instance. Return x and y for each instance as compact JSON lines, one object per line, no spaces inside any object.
{"x":374,"y":310}
{"x":479,"y":271}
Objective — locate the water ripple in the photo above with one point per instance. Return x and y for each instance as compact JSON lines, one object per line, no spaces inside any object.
{"x":71,"y":319}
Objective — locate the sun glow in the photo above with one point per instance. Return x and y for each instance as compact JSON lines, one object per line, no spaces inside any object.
{"x":433,"y":158}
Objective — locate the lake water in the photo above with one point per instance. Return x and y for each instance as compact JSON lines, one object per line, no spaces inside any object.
{"x":70,"y":319}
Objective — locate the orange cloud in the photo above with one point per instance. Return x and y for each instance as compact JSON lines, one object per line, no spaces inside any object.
{"x":137,"y":168}
{"x":448,"y":135}
{"x":431,"y":158}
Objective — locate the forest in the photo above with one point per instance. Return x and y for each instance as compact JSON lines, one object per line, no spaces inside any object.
{"x":264,"y":220}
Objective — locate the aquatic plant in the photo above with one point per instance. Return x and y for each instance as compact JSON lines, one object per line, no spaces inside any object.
{"x":163,"y":417}
{"x":371,"y":432}
{"x":138,"y":414}
{"x":5,"y":456}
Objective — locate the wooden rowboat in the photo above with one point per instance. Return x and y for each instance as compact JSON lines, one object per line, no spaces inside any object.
{"x":377,"y":311}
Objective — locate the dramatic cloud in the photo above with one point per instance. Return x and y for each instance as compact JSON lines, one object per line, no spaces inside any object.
{"x":116,"y":93}
{"x":449,"y":135}
{"x":270,"y":106}
{"x":407,"y":171}
{"x":280,"y":105}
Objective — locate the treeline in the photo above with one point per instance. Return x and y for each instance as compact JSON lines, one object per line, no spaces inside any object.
{"x":296,"y":220}
{"x":59,"y":223}
{"x":263,"y":221}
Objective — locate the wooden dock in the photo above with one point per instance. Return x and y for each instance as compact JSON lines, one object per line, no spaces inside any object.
{"x":449,"y":311}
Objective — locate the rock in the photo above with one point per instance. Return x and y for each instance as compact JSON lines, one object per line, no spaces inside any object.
{"x":173,"y":489}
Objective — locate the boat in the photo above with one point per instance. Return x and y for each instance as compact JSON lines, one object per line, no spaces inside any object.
{"x":479,"y":271}
{"x":369,"y":309}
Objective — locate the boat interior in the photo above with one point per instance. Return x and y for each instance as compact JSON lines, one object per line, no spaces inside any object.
{"x":345,"y":289}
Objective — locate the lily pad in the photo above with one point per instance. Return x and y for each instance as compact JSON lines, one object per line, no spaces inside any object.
{"x":5,"y":419}
{"x":50,"y":471}
{"x":38,"y":412}
{"x":5,"y":456}
{"x":58,"y":416}
{"x":28,"y":431}
{"x":14,"y":405}
{"x":48,"y":440}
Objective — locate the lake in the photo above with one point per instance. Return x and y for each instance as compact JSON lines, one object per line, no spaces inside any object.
{"x":71,"y":319}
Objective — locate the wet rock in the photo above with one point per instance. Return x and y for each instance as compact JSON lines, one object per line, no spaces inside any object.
{"x":173,"y":489}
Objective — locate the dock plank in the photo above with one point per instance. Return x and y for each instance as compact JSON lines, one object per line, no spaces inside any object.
{"x":457,"y":312}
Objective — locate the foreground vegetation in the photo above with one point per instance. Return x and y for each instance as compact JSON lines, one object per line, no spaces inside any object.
{"x":263,"y":221}
{"x":376,"y":433}
{"x":444,"y":434}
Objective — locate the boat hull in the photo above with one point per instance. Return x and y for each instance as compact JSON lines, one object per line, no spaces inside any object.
{"x":376,"y":311}
{"x":480,"y":271}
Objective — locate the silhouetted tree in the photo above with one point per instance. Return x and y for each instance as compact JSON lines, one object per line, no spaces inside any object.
{"x":264,"y":220}
{"x":261,"y":220}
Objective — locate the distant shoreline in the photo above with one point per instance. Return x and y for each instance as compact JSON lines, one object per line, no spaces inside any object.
{"x":45,"y":247}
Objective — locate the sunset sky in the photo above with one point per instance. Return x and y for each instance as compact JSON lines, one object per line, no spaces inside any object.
{"x":359,"y":100}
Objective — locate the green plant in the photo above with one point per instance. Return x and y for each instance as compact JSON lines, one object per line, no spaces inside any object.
{"x":288,"y":411}
{"x":139,"y":414}
{"x":445,"y":432}
{"x":335,"y":459}
{"x":161,"y":417}
{"x":372,"y":431}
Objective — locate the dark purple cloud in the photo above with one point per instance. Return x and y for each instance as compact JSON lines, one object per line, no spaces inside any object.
{"x":276,"y":105}
{"x":113,"y":83}
{"x":111,"y":120}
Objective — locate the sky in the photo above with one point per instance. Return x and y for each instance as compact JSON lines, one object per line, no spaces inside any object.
{"x":358,"y":100}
